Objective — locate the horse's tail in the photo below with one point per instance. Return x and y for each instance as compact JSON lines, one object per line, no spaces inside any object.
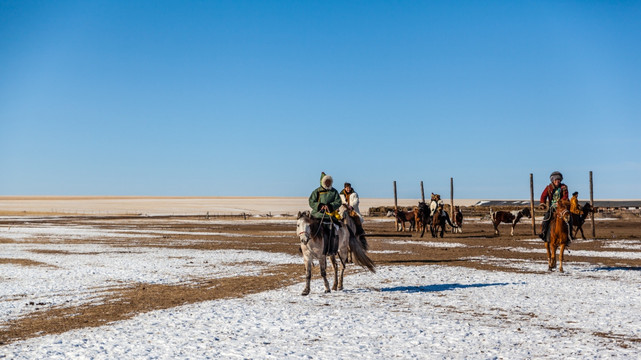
{"x":359,"y":248}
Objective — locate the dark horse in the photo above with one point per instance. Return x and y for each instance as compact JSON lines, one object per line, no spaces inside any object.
{"x":439,"y":219}
{"x":579,"y":220}
{"x":424,"y":216}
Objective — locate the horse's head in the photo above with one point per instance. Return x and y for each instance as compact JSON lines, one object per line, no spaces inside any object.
{"x":526,"y":212}
{"x":563,"y":210}
{"x":303,"y":227}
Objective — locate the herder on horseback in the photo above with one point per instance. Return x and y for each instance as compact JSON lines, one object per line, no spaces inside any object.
{"x":552,"y":193}
{"x":325,"y":202}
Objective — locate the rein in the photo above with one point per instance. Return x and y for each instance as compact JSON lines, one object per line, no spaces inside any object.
{"x":317,"y":231}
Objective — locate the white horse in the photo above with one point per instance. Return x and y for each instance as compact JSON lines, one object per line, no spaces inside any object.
{"x":310,"y":232}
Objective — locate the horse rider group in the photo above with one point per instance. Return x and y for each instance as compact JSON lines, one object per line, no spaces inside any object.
{"x":325,"y":202}
{"x":552,"y":193}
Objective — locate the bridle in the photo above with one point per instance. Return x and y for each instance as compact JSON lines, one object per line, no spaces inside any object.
{"x":308,"y":237}
{"x":565,"y":218}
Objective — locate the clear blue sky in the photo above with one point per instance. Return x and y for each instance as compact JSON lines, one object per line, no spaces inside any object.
{"x":256,"y":98}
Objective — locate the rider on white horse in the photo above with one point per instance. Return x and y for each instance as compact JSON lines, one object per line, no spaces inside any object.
{"x":325,"y":202}
{"x":350,"y":200}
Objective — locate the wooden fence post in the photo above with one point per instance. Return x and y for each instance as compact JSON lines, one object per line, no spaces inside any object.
{"x":592,"y":203}
{"x":532,"y":203}
{"x":451,"y":196}
{"x":422,"y":192}
{"x":395,"y":208}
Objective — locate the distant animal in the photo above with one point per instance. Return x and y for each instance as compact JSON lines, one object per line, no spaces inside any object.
{"x":579,"y":220}
{"x":424,"y":214}
{"x":559,"y":233}
{"x":313,"y":234}
{"x":418,"y":219}
{"x":457,"y":220}
{"x":402,"y":217}
{"x":439,"y":219}
{"x":509,"y":217}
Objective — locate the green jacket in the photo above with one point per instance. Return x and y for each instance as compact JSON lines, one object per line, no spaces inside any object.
{"x":322,"y":196}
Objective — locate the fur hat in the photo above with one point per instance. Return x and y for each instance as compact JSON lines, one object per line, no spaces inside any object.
{"x":324,"y":178}
{"x":556,"y":175}
{"x":575,"y":193}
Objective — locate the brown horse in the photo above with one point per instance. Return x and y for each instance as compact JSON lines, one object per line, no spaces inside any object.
{"x":457,"y":219}
{"x":418,"y":220}
{"x":559,"y":233}
{"x":405,"y":216}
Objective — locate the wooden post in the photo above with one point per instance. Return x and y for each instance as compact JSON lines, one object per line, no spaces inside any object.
{"x":422,"y":192}
{"x":592,"y":203}
{"x":532,"y":203}
{"x":451,"y":196}
{"x":395,"y":207}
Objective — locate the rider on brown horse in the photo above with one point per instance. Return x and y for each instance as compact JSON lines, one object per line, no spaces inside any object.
{"x":552,"y":193}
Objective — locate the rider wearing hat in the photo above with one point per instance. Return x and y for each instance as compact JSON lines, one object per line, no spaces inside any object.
{"x":575,"y":208}
{"x":325,"y":199}
{"x":325,"y":202}
{"x":552,"y":193}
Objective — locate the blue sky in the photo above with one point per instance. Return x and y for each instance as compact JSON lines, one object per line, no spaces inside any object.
{"x":256,"y":98}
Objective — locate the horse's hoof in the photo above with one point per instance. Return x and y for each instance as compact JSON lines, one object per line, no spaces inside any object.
{"x":561,"y":270}
{"x":340,"y":288}
{"x":328,"y":291}
{"x":305,"y":292}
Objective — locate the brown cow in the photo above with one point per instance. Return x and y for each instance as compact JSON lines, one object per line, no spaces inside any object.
{"x":509,"y":217}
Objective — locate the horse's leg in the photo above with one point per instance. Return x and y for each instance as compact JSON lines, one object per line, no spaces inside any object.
{"x":549,"y":251}
{"x":323,"y":270}
{"x":341,"y":273}
{"x":513,"y":225}
{"x":582,"y":236}
{"x":561,"y":257}
{"x":333,"y":260}
{"x":308,"y":271}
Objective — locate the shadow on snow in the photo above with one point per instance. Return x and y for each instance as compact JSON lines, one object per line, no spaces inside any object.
{"x":441,"y":287}
{"x":613,"y":268}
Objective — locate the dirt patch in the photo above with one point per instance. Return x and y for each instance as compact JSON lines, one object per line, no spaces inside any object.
{"x":24,"y":262}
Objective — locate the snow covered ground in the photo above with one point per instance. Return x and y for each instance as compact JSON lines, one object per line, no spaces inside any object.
{"x":407,"y":312}
{"x":432,"y":312}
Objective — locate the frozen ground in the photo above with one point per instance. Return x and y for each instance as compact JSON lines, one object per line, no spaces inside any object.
{"x":407,"y":312}
{"x":434,"y":312}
